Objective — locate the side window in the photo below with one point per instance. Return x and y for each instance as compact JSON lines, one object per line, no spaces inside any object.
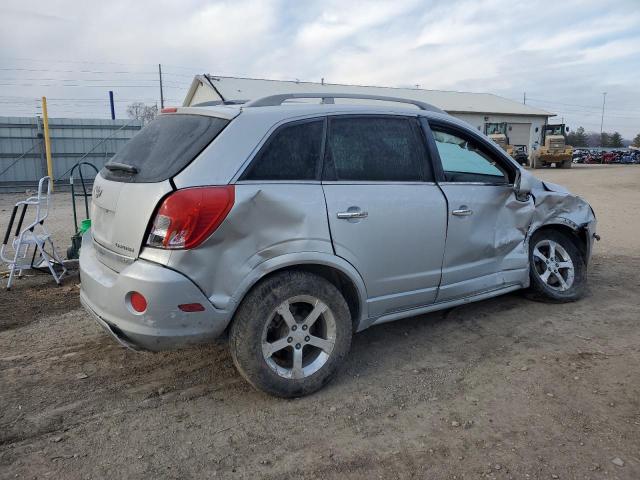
{"x":292,"y":153}
{"x":375,"y":149}
{"x":463,"y":161}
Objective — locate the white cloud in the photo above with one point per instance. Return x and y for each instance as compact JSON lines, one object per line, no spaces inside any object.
{"x":566,"y":53}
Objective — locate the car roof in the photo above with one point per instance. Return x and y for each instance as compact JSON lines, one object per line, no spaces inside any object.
{"x":293,"y":110}
{"x":254,"y":124}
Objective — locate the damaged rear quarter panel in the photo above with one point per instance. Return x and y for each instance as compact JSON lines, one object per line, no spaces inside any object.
{"x":267,"y":220}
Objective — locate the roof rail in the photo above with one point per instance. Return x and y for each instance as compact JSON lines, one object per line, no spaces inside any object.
{"x":274,"y":100}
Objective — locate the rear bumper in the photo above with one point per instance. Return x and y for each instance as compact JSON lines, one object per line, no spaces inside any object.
{"x":104,"y":293}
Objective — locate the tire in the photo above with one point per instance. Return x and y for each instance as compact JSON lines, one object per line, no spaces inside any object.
{"x":545,"y":274}
{"x":564,"y":164}
{"x":265,"y":341}
{"x":536,"y":162}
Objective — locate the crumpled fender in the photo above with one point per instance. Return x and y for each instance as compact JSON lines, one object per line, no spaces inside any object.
{"x":555,"y":205}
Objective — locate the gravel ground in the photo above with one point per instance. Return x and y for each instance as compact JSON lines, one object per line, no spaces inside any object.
{"x":505,"y":388}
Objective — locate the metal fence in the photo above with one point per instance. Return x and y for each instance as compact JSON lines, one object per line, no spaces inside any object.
{"x":22,"y":154}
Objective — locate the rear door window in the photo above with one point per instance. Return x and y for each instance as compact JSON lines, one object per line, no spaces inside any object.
{"x":164,"y":147}
{"x":292,"y":153}
{"x":375,"y":149}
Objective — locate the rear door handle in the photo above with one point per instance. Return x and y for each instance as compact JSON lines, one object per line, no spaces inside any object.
{"x":462,"y":212}
{"x":353,"y":214}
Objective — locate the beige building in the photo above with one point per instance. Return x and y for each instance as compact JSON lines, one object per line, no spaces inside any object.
{"x":524,"y":122}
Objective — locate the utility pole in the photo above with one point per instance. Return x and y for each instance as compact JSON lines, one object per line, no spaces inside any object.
{"x":524,"y":98}
{"x":113,"y":109}
{"x":161,"y":92}
{"x":604,"y":97}
{"x":47,"y":139}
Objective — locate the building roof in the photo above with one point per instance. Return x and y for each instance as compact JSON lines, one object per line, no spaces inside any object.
{"x":236,"y":88}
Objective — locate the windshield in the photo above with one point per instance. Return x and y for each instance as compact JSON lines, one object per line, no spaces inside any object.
{"x":496,"y":128}
{"x":163,"y":148}
{"x":555,"y":130}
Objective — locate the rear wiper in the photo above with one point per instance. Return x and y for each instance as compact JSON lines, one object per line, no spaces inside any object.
{"x":121,"y":167}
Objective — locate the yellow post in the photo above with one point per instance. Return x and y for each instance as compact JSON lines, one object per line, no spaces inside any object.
{"x":47,"y":139}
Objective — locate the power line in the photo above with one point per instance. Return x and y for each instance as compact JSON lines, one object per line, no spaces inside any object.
{"x":588,"y":107}
{"x":81,"y":101}
{"x":87,"y":86}
{"x":182,"y":67}
{"x":95,"y":72}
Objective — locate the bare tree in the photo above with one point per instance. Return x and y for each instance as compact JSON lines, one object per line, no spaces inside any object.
{"x":142,"y":112}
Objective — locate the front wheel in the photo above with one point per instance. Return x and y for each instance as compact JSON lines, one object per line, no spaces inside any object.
{"x":557,"y":267}
{"x":291,"y":334}
{"x":564,"y":164}
{"x":536,"y":162}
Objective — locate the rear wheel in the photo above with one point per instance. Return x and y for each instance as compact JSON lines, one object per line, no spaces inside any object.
{"x":291,"y":333}
{"x":557,"y":267}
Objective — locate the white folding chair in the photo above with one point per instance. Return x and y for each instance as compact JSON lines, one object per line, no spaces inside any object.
{"x":32,"y":238}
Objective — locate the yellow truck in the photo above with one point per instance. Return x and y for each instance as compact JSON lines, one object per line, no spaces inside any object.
{"x":498,"y":133}
{"x":554,"y":148}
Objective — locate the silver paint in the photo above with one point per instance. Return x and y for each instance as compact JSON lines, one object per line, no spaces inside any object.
{"x":409,"y":254}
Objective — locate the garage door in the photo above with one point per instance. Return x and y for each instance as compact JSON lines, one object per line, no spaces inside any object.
{"x":519,"y":133}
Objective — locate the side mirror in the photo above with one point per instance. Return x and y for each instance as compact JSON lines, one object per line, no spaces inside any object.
{"x":522,"y":185}
{"x":567,"y":129}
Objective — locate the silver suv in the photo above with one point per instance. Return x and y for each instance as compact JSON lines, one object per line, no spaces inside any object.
{"x":289,"y":225}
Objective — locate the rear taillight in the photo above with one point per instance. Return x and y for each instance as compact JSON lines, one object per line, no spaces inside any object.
{"x":187,"y":217}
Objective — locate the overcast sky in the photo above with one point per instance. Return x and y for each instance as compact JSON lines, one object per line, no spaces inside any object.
{"x":563,"y":54}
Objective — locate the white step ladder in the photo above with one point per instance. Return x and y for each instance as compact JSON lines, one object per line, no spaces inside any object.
{"x":32,"y":239}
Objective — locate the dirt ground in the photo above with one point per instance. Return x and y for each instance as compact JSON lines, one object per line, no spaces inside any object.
{"x":505,"y":388}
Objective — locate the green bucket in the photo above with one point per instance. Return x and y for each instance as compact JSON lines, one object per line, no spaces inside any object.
{"x":85,"y":225}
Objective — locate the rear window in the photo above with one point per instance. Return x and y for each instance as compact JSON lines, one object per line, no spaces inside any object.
{"x":292,"y":153}
{"x":164,"y":147}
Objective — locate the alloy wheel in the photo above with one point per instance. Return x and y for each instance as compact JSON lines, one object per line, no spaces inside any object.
{"x":553,"y":265}
{"x":299,"y":336}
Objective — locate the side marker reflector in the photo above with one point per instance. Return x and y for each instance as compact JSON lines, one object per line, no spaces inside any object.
{"x":138,"y":302}
{"x":191,"y":307}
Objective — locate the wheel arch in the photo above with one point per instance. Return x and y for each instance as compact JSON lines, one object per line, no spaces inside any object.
{"x":579,"y":234}
{"x":334,"y":269}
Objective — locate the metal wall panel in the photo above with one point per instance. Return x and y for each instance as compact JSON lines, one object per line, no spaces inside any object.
{"x":71,"y":139}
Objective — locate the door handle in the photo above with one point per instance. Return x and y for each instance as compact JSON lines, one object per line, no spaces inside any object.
{"x":353,"y":214}
{"x":462,"y":212}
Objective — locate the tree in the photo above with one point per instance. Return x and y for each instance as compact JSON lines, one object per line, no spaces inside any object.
{"x":577,"y":138}
{"x":142,"y":112}
{"x":605,"y":139}
{"x":593,"y":139}
{"x":636,"y":141}
{"x":615,"y":140}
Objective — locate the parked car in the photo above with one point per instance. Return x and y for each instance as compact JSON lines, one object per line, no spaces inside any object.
{"x":630,"y":156}
{"x":290,"y":226}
